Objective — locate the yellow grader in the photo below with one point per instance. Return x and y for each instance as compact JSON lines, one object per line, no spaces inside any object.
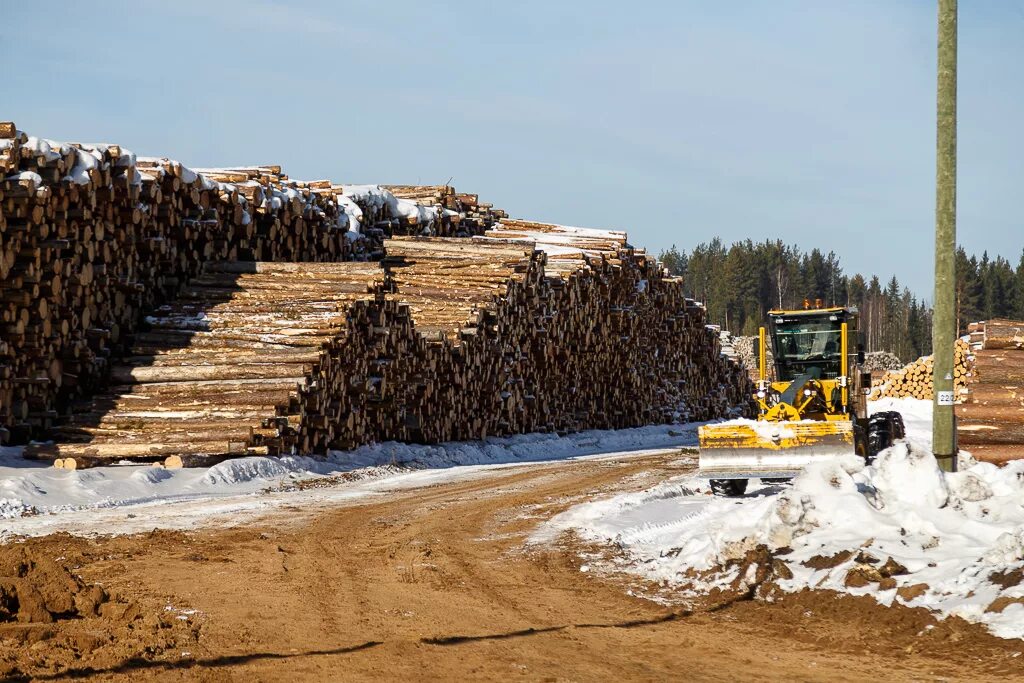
{"x":814,"y":409}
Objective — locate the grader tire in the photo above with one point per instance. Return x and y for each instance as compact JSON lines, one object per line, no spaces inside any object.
{"x":883,"y":430}
{"x":729,"y":487}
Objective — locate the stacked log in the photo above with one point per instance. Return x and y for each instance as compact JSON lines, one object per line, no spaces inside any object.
{"x":453,"y":339}
{"x":466,"y":350}
{"x":747,"y":349}
{"x":999,"y":334}
{"x":881,"y":362}
{"x":92,"y":236}
{"x":915,"y":379}
{"x":461,"y":214}
{"x":216,"y":372}
{"x":990,"y":419}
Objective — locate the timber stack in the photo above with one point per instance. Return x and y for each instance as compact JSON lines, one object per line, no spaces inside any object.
{"x":92,"y":236}
{"x":990,"y":417}
{"x":449,"y":339}
{"x":915,"y":379}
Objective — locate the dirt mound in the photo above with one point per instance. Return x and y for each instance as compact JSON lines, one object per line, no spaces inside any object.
{"x":52,"y":621}
{"x":38,"y":589}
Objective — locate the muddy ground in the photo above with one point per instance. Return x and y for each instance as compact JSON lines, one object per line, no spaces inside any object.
{"x":435,"y":583}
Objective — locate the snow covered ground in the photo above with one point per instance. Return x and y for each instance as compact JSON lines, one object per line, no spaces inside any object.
{"x":36,"y":499}
{"x":900,"y":530}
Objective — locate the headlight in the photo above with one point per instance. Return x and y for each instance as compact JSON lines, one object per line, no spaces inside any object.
{"x":808,"y":392}
{"x":761,"y":394}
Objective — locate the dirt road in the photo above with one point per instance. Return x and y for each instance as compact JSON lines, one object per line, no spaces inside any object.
{"x":435,"y":583}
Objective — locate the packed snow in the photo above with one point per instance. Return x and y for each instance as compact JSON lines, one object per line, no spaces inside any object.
{"x":37,"y":499}
{"x":907,"y":532}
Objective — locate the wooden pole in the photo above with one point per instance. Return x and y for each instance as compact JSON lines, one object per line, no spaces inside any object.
{"x":944,"y":321}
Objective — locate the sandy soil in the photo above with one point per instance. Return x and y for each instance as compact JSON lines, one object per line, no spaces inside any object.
{"x":435,"y":583}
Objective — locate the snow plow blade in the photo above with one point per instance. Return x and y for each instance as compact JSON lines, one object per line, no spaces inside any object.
{"x":770,"y":450}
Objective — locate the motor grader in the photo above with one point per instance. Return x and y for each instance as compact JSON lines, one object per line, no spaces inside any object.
{"x":814,"y":409}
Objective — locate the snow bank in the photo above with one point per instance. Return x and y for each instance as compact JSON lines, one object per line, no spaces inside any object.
{"x":563,"y":240}
{"x":31,"y":491}
{"x":900,"y":530}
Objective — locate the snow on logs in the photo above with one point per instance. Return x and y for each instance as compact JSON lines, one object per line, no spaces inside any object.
{"x":448,"y":339}
{"x":92,"y":236}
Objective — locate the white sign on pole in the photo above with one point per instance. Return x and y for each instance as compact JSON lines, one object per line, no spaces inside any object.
{"x":945,"y":398}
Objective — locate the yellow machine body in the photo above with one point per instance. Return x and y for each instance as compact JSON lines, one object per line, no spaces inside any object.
{"x":809,"y":413}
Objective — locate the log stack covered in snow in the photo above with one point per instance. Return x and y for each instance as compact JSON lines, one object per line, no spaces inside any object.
{"x":92,"y":236}
{"x":451,"y":339}
{"x":915,"y":379}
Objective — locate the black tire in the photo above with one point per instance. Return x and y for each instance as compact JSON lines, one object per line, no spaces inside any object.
{"x":774,"y":481}
{"x":729,"y":487}
{"x":883,"y":430}
{"x":899,"y":430}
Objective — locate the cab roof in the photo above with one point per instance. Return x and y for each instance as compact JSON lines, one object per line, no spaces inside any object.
{"x":813,"y":311}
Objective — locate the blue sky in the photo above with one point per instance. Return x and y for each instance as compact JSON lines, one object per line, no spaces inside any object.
{"x":810,"y":121}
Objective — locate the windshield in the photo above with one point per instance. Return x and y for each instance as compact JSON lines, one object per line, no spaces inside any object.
{"x":803,"y":344}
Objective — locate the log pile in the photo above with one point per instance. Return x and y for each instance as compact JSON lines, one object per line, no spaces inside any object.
{"x":451,"y":339}
{"x":216,"y":373}
{"x":465,"y":214}
{"x":92,"y":236}
{"x":747,"y":349}
{"x":990,"y":418}
{"x":881,"y":362}
{"x":998,"y":334}
{"x":481,"y":338}
{"x":915,"y":379}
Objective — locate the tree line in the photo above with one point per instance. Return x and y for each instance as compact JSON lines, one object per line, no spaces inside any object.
{"x":740,"y":283}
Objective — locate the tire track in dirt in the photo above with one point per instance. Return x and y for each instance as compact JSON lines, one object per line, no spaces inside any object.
{"x":434,"y":583}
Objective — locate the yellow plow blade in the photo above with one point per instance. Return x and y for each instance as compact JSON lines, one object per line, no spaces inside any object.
{"x":746,"y":449}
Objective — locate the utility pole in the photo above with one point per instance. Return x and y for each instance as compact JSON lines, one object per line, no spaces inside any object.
{"x":944,"y":323}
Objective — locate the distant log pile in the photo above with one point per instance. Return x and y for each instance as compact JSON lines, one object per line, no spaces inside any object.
{"x":990,"y":419}
{"x":997,"y":334}
{"x":915,"y":379}
{"x":451,"y":339}
{"x":92,"y":236}
{"x":881,"y":362}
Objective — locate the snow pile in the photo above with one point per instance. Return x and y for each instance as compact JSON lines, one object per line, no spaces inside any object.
{"x":770,"y":431}
{"x":43,"y":148}
{"x":350,"y":216}
{"x":30,"y":176}
{"x":86,"y":161}
{"x":377,"y":199}
{"x":410,"y":210}
{"x":36,"y":498}
{"x":900,"y":530}
{"x":561,"y":240}
{"x":521,"y":447}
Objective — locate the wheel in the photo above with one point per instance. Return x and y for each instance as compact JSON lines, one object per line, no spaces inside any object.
{"x":883,"y":430}
{"x":879,"y":435}
{"x":728,"y":487}
{"x":775,"y":481}
{"x":899,"y":430}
